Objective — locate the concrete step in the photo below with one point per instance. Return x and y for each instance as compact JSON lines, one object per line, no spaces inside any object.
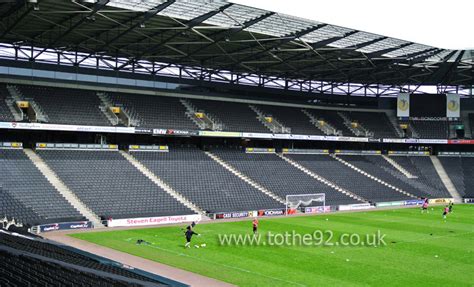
{"x":443,"y":175}
{"x":244,"y":177}
{"x":159,"y":182}
{"x":59,"y":185}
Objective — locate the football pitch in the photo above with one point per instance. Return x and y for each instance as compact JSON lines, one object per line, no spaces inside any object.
{"x":420,"y":250}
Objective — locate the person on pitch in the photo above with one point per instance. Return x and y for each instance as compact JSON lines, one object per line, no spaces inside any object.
{"x":255,"y":226}
{"x":189,"y":235}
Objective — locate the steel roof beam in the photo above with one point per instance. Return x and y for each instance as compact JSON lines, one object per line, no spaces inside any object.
{"x":378,"y":54}
{"x":189,"y":25}
{"x":286,"y":39}
{"x":99,"y":5}
{"x":222,"y":35}
{"x":18,"y":20}
{"x":445,"y":68}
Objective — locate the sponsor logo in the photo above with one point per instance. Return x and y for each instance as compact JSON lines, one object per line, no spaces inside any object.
{"x":51,"y":227}
{"x":143,"y":131}
{"x":153,"y":220}
{"x":159,"y":131}
{"x":84,"y":224}
{"x":275,"y":212}
{"x":178,"y":132}
{"x":440,"y":200}
{"x":414,"y":202}
{"x":317,"y":209}
{"x":355,"y":206}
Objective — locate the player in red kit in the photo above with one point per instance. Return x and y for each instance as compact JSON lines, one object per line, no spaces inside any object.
{"x":255,"y":226}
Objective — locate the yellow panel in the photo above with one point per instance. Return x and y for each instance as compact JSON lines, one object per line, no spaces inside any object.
{"x":23,"y":104}
{"x":42,"y":145}
{"x":113,"y":146}
{"x":321,"y":122}
{"x":404,"y":126}
{"x":115,"y":110}
{"x":354,"y":124}
{"x":15,"y":144}
{"x":134,"y":147}
{"x":199,"y":115}
{"x":163,"y":147}
{"x":269,"y":119}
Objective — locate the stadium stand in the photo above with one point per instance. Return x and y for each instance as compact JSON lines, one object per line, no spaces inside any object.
{"x":423,"y":169}
{"x":428,"y":129}
{"x":203,"y":181}
{"x":35,"y":262}
{"x":461,"y":172}
{"x":378,"y":167}
{"x":278,"y":176}
{"x":234,"y":116}
{"x":67,"y":106}
{"x":347,"y":178}
{"x":471,"y":123}
{"x":155,"y":111}
{"x":293,"y":118}
{"x":27,"y":196}
{"x":109,"y":185}
{"x":376,"y":122}
{"x":5,"y":114}
{"x":333,"y":119}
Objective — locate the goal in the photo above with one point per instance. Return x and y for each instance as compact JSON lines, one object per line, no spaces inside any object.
{"x":294,"y":201}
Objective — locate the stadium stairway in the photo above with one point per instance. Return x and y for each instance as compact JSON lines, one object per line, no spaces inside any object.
{"x":55,"y":181}
{"x":159,"y":182}
{"x":371,"y":176}
{"x":244,"y":178}
{"x":322,"y":179}
{"x":443,"y":175}
{"x":399,"y":167}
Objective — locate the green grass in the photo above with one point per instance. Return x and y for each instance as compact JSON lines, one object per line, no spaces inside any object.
{"x":421,"y":249}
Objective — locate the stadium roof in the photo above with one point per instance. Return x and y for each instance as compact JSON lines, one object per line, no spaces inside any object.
{"x":219,"y":36}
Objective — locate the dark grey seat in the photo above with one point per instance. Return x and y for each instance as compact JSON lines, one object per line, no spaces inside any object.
{"x":108,"y":184}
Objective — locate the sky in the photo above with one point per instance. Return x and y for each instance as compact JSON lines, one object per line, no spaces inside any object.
{"x":439,"y":23}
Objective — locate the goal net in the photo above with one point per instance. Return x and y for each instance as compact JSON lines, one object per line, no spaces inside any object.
{"x":295,"y":201}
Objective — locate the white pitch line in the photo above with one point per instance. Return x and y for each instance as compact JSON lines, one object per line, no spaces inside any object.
{"x":225,"y":265}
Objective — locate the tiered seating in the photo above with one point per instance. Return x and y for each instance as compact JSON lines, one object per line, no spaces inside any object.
{"x":422,"y":167}
{"x":26,"y":195}
{"x":203,"y":181}
{"x":22,"y":268}
{"x":5,"y":114}
{"x":420,"y":187}
{"x":454,"y":167}
{"x":375,"y":122}
{"x":293,"y":118}
{"x":236,"y":117}
{"x":156,"y":112}
{"x":348,"y":178}
{"x":380,"y":168}
{"x":461,"y":173}
{"x":67,"y":106}
{"x":333,"y":119}
{"x":278,"y":176}
{"x":108,"y":184}
{"x":431,"y":129}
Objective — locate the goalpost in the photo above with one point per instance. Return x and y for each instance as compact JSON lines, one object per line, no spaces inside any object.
{"x":293,"y":201}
